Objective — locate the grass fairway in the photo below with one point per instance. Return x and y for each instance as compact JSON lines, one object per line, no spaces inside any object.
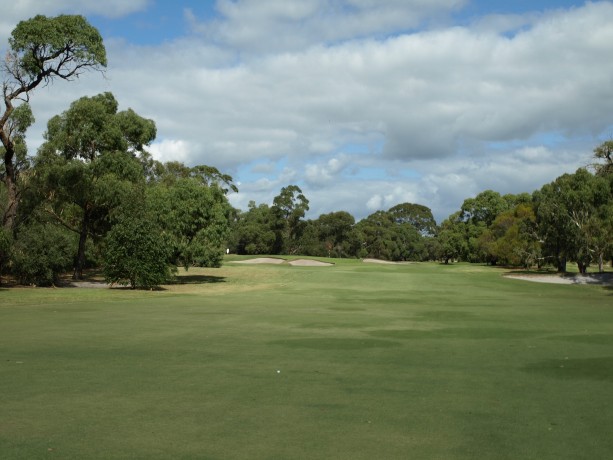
{"x":354,"y":361}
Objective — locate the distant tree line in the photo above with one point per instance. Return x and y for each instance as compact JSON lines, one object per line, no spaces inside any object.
{"x":570,"y":219}
{"x":92,"y":197}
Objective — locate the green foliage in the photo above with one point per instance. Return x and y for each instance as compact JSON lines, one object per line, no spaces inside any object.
{"x":196,"y":219}
{"x":136,"y":253}
{"x":41,"y":252}
{"x":383,"y":238}
{"x":170,"y":172}
{"x":336,"y":236}
{"x":512,"y":238}
{"x":56,"y":47}
{"x":42,"y":49}
{"x":603,"y":154}
{"x":417,"y":215}
{"x":573,"y":213}
{"x":87,"y":166}
{"x":92,"y":127}
{"x":254,"y":230}
{"x":289,"y":207}
{"x":452,"y":240}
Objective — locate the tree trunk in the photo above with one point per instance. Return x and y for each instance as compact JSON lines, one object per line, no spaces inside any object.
{"x":10,"y":180}
{"x":561,"y":264}
{"x":600,"y":263}
{"x":80,"y":262}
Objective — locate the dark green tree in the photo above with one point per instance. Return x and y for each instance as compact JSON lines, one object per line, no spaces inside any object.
{"x":88,"y":165}
{"x":335,"y":233}
{"x":289,"y":207}
{"x":572,"y":214}
{"x":452,"y":240}
{"x":195,"y":217}
{"x":512,"y":238}
{"x":254,"y":230}
{"x":136,"y":253}
{"x":41,"y":252}
{"x":417,"y":215}
{"x":41,"y":50}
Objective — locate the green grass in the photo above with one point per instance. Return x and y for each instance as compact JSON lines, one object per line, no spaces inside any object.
{"x":376,"y":362}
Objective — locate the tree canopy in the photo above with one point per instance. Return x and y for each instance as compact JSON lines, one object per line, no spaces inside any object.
{"x":41,"y":49}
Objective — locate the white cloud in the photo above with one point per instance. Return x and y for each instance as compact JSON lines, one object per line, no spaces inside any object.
{"x":13,"y":12}
{"x":257,"y":25}
{"x":171,"y":150}
{"x":459,"y":109}
{"x":322,"y":174}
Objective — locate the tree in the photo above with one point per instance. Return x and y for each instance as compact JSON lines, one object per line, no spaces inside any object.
{"x":172,"y":171}
{"x":573,"y":215}
{"x":41,"y":253}
{"x":417,"y":215}
{"x":136,"y":253}
{"x":452,"y":241}
{"x":377,"y":234}
{"x":512,"y":237}
{"x":195,"y":217}
{"x":335,"y":231}
{"x":254,"y":230}
{"x":604,"y":155}
{"x":88,"y":163}
{"x":484,"y":207}
{"x":41,"y":50}
{"x":289,"y":207}
{"x":478,"y":213}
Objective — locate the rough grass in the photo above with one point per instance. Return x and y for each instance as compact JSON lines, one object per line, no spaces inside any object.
{"x":354,"y":361}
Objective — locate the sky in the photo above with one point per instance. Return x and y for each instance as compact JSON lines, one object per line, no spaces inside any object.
{"x":364,"y":104}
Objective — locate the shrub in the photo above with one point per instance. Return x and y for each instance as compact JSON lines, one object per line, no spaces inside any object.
{"x":137,"y":254}
{"x":41,"y":252}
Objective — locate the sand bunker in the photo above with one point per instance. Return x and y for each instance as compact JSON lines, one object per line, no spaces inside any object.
{"x":273,"y":260}
{"x":261,"y":260}
{"x":603,"y":279}
{"x":309,"y":263}
{"x":379,"y":261}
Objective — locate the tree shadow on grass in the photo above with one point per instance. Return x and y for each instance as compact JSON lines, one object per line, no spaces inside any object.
{"x":198,"y":279}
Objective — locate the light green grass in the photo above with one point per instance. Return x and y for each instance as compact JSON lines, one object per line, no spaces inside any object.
{"x":376,"y":362}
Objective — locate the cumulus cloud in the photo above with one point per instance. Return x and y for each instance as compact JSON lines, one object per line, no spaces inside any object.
{"x":13,"y":12}
{"x":322,"y":174}
{"x":359,"y":86}
{"x":171,"y":150}
{"x":256,"y":25}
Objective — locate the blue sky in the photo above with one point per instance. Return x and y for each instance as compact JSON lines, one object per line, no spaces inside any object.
{"x":364,"y":104}
{"x":165,"y":20}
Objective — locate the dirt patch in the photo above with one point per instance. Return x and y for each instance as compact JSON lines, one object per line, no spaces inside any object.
{"x":261,"y":260}
{"x":309,"y":263}
{"x":603,"y":279}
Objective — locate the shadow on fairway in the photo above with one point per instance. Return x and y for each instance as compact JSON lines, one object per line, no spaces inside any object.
{"x":462,"y":333}
{"x":335,"y":344}
{"x":199,"y":279}
{"x":574,"y":368}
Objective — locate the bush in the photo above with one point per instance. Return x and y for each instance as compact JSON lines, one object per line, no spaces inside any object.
{"x":137,"y":254}
{"x":41,"y":252}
